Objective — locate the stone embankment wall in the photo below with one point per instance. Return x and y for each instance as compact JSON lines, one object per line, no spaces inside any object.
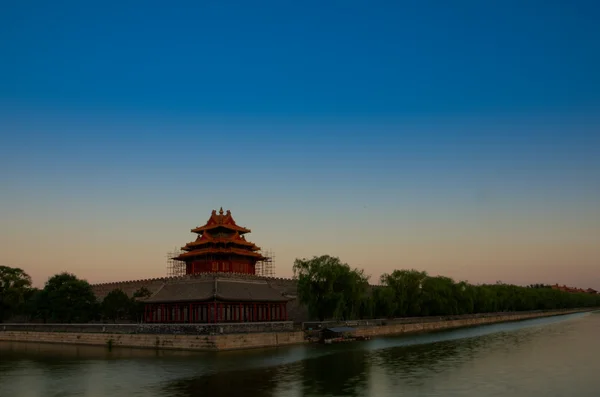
{"x":428,"y":326}
{"x":177,"y":342}
{"x":247,"y":340}
{"x":286,"y":286}
{"x":154,"y":329}
{"x":313,"y":325}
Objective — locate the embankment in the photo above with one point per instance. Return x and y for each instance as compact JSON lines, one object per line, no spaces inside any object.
{"x":279,"y":335}
{"x":429,"y":326}
{"x":160,"y":341}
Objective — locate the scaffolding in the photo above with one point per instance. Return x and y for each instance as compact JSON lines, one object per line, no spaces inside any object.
{"x":175,"y":268}
{"x":266,"y":267}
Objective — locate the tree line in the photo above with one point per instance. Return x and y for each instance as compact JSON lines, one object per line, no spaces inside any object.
{"x":327,"y":286}
{"x":331,"y":289}
{"x":64,"y":299}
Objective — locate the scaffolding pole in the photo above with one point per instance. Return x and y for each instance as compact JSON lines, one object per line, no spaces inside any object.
{"x":175,"y":268}
{"x":266,"y":267}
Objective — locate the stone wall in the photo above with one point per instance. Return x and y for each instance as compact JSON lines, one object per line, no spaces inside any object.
{"x":427,"y":326}
{"x":156,"y":329}
{"x":153,"y":339}
{"x":171,"y":342}
{"x":129,"y":287}
{"x":313,"y":325}
{"x":297,"y":312}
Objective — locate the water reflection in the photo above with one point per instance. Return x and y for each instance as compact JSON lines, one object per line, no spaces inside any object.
{"x":343,"y":373}
{"x":40,"y":358}
{"x":415,"y":364}
{"x":415,"y":361}
{"x":339,"y":373}
{"x":82,"y":352}
{"x":250,"y":383}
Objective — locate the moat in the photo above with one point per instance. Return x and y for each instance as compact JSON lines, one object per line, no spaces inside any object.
{"x":556,"y":356}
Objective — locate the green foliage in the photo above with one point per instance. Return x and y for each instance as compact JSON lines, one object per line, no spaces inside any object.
{"x":37,"y":306}
{"x":136,"y":311}
{"x":400,"y":295}
{"x":439,"y":296}
{"x":331,"y":289}
{"x":142,"y":293}
{"x":15,"y":290}
{"x":116,"y":305}
{"x":367,"y":307}
{"x":66,"y":299}
{"x":406,"y":290}
{"x":385,"y":303}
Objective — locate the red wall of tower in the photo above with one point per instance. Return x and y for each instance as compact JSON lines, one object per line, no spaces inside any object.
{"x":238,"y":265}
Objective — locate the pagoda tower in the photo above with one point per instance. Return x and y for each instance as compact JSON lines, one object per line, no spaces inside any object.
{"x":215,"y":296}
{"x":220,"y":247}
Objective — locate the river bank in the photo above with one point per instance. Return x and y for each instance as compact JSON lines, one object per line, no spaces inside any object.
{"x":517,"y":359}
{"x":241,"y":340}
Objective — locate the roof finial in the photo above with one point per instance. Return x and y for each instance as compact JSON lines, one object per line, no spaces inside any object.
{"x":221,"y":211}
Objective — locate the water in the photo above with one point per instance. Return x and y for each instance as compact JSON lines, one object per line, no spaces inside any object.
{"x":557,"y":356}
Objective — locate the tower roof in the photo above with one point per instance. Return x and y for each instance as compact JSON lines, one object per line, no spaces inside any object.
{"x":217,"y":250}
{"x":216,"y":289}
{"x":220,"y":246}
{"x":221,"y":220}
{"x":207,"y":239}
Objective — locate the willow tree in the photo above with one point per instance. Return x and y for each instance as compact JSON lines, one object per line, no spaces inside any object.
{"x":439,"y":296}
{"x":406,"y":290}
{"x":330,"y":288}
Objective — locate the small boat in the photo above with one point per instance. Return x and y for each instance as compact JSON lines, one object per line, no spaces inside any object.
{"x":340,"y":335}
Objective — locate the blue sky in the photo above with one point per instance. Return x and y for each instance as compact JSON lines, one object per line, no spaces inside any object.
{"x":463,"y":133}
{"x":303,"y":58}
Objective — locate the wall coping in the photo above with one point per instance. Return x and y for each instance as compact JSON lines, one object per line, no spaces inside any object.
{"x":197,"y":275}
{"x":143,"y":324}
{"x":430,"y":319}
{"x":156,"y":329}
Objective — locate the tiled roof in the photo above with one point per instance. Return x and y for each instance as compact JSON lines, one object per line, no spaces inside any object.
{"x":221,"y":220}
{"x":237,"y":290}
{"x":247,"y":290}
{"x":215,"y":250}
{"x":208,"y":238}
{"x":184,"y":292}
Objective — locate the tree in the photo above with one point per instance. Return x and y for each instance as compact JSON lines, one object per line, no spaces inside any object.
{"x":465,"y":297}
{"x":37,"y":306}
{"x":137,"y":303}
{"x":142,"y":293}
{"x":15,"y":289}
{"x":439,"y":296}
{"x":116,"y":305}
{"x":330,"y":288}
{"x":406,"y":286}
{"x":384,"y":301}
{"x":367,"y":306}
{"x":69,"y":299}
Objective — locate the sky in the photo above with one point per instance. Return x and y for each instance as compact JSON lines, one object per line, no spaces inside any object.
{"x":460,"y":138}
